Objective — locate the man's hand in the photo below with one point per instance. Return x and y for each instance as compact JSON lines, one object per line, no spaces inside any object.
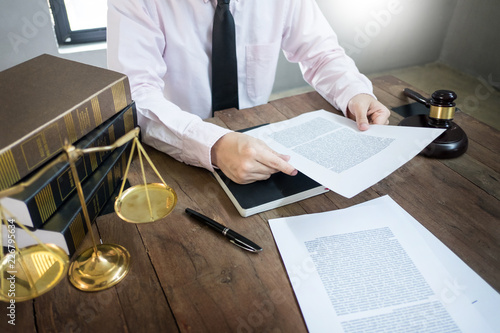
{"x":246,"y":159}
{"x":365,"y":110}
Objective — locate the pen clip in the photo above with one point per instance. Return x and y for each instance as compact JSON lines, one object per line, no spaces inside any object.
{"x":244,"y":246}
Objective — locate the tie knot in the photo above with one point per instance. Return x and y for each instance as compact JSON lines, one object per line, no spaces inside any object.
{"x":223,"y":2}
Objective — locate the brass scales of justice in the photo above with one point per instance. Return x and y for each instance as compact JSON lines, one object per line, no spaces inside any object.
{"x":36,"y":269}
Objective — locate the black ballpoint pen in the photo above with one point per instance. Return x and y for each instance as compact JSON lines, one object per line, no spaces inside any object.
{"x":233,"y":236}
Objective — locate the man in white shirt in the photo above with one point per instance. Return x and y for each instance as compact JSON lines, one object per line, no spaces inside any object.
{"x":164,"y":47}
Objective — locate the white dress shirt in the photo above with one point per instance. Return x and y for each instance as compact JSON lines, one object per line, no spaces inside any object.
{"x":164,"y":47}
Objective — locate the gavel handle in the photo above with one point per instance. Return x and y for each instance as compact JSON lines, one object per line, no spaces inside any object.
{"x":416,"y":96}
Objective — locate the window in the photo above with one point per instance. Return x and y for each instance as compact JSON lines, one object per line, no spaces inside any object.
{"x":79,"y":21}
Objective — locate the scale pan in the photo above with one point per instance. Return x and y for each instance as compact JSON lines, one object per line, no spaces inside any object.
{"x":132,"y":205}
{"x":32,"y":271}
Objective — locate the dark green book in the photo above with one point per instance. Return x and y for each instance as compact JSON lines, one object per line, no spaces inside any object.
{"x":278,"y":190}
{"x":38,"y":202}
{"x":67,"y":227}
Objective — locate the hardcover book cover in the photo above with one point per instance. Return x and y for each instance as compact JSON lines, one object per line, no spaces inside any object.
{"x":37,"y":202}
{"x":47,"y":100}
{"x":279,"y":190}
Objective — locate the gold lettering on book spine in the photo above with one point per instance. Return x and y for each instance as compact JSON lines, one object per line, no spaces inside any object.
{"x":111,"y":134}
{"x":84,"y":120}
{"x":77,"y":231}
{"x":45,"y":203}
{"x":97,"y":111}
{"x":9,"y":174}
{"x":38,"y":148}
{"x":128,"y":120}
{"x":93,"y":161}
{"x":119,"y":96}
{"x":70,"y":127}
{"x":84,"y":165}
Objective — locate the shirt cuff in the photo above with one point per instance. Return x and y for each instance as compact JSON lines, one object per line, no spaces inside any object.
{"x":198,"y":142}
{"x":340,"y":96}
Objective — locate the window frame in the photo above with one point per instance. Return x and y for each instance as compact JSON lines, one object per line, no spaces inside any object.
{"x":64,"y":34}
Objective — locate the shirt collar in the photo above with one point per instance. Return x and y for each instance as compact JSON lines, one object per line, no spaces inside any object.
{"x":215,"y":1}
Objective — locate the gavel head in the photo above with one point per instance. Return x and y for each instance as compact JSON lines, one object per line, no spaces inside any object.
{"x":442,"y":105}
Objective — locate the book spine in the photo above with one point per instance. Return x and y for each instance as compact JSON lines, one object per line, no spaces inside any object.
{"x":43,"y":201}
{"x":67,"y":228}
{"x":27,"y":155}
{"x":75,"y":228}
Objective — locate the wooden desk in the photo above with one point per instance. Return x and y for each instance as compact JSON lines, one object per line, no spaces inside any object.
{"x":186,"y":278}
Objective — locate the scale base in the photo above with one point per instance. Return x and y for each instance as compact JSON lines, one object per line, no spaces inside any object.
{"x":452,"y":143}
{"x":98,"y":270}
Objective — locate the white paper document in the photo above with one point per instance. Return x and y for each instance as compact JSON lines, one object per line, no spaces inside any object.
{"x":331,"y":150}
{"x":374,"y":268}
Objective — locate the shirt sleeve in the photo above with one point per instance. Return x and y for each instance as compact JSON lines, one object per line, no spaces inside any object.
{"x":136,"y":46}
{"x":309,"y":40}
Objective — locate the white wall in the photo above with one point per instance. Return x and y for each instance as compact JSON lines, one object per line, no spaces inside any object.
{"x":386,"y":34}
{"x":473,"y":42}
{"x":26,"y":31}
{"x":378,"y":34}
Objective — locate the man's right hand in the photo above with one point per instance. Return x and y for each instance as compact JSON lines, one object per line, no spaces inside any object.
{"x":245,"y":159}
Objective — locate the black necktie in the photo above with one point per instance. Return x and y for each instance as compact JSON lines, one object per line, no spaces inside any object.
{"x":224,"y":69}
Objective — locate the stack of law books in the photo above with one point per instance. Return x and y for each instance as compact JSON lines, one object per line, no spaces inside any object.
{"x":48,"y":102}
